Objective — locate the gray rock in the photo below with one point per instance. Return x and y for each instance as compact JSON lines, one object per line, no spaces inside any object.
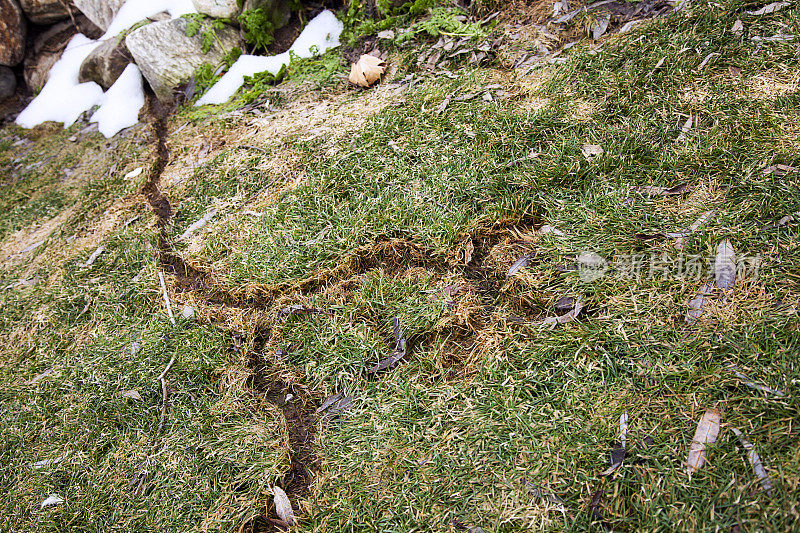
{"x":217,"y":8}
{"x":13,"y":31}
{"x":46,"y":11}
{"x":106,"y":63}
{"x":8,"y":83}
{"x":168,"y":58}
{"x":101,"y":12}
{"x":278,"y":10}
{"x":48,"y":46}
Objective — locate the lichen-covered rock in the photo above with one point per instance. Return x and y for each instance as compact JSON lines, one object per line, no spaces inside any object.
{"x":8,"y":83}
{"x":45,"y":11}
{"x":13,"y":31}
{"x":101,"y":12}
{"x":217,"y":8}
{"x":106,"y":63}
{"x":278,"y":11}
{"x":168,"y":57}
{"x":48,"y":46}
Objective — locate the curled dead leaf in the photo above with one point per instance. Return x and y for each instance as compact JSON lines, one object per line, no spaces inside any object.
{"x":706,"y":433}
{"x":367,"y":70}
{"x":283,"y":506}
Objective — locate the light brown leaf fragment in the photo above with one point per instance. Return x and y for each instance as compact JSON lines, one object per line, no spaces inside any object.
{"x":367,"y":70}
{"x":590,"y":151}
{"x":696,"y":304}
{"x":769,"y":8}
{"x":601,"y":26}
{"x":701,"y":221}
{"x":706,"y":433}
{"x":755,"y":461}
{"x":469,"y":249}
{"x":687,"y":126}
{"x":779,"y":170}
{"x":446,"y":102}
{"x":283,"y":506}
{"x":132,"y":394}
{"x":39,"y":377}
{"x":547,"y":228}
{"x":662,"y":191}
{"x":753,"y":385}
{"x":658,"y":65}
{"x":519,"y":264}
{"x":725,"y":265}
{"x":737,"y":27}
{"x":565,"y":318}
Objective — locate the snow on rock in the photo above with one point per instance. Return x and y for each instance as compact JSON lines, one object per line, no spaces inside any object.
{"x":119,"y":107}
{"x":320,"y":35}
{"x":63,"y":98}
{"x":135,"y":10}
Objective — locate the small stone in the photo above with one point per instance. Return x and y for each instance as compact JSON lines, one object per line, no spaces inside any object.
{"x":187,"y":312}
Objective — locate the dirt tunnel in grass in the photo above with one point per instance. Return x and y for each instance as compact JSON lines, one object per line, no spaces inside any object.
{"x":391,"y":254}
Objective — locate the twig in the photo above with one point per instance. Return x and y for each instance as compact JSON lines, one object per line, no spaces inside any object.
{"x":163,"y":408}
{"x":166,"y":298}
{"x":164,"y":373}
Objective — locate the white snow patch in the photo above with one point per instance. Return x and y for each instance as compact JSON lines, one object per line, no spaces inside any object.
{"x":63,"y":99}
{"x":136,"y":10}
{"x":320,"y":35}
{"x":120,"y":105}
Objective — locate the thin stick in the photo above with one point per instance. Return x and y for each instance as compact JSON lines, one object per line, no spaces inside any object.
{"x":166,"y":298}
{"x":164,"y":373}
{"x":163,"y":408}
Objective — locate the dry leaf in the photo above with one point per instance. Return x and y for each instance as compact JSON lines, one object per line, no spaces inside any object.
{"x":133,"y":173}
{"x":367,"y":70}
{"x":687,"y":126}
{"x":601,"y":26}
{"x":446,"y":102}
{"x":46,"y":462}
{"x":565,"y":318}
{"x":519,"y":264}
{"x":469,"y":249}
{"x":755,"y":460}
{"x":547,"y":228}
{"x":725,"y":265}
{"x":283,"y":506}
{"x":696,"y":304}
{"x":52,"y":500}
{"x":779,"y":170}
{"x":738,"y":27}
{"x":753,"y":385}
{"x":590,"y":151}
{"x":400,"y":349}
{"x":769,"y":8}
{"x":706,"y":433}
{"x":132,"y":394}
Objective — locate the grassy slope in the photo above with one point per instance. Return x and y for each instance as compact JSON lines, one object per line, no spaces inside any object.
{"x":482,"y":404}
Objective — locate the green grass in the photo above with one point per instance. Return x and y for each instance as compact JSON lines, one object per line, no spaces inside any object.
{"x":482,"y":407}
